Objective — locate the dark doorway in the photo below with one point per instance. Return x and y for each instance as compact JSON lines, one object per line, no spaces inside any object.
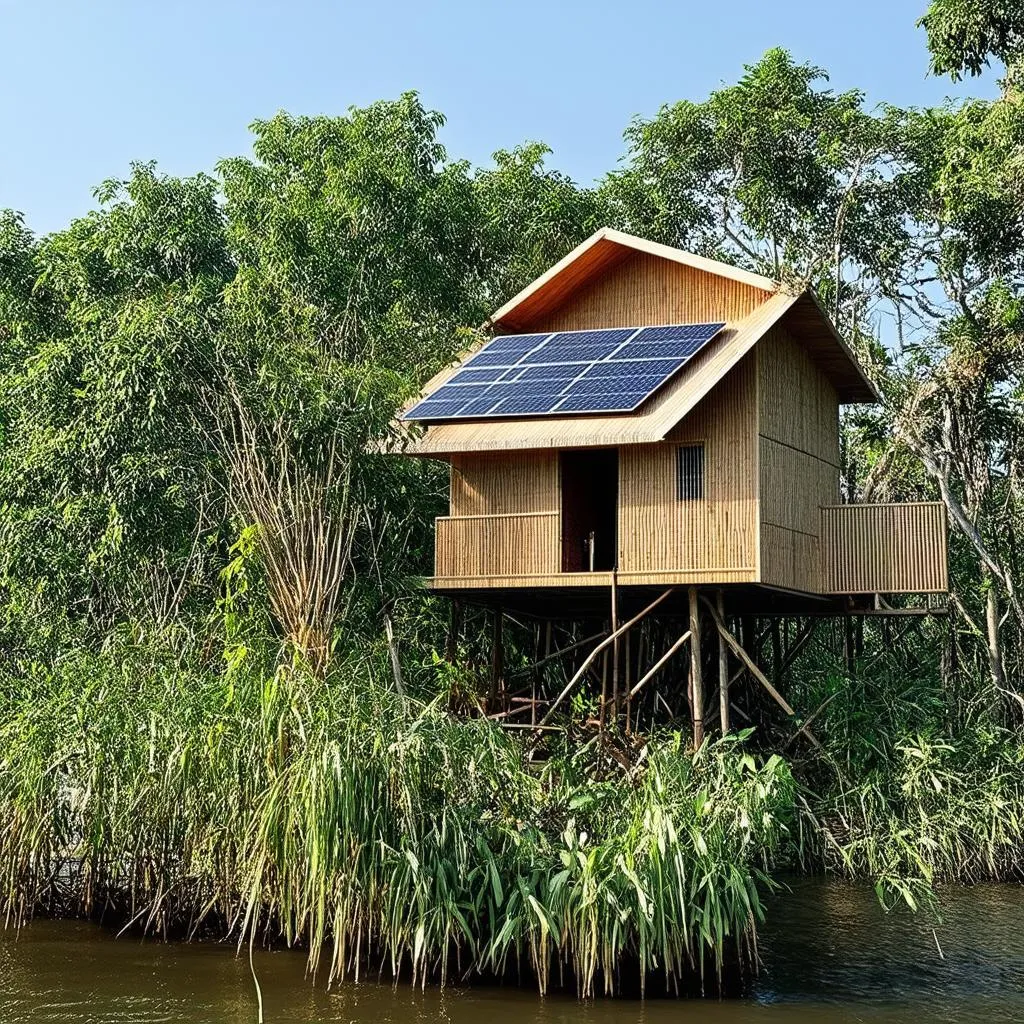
{"x":590,"y":499}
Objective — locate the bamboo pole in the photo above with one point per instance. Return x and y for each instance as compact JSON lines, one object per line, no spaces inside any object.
{"x":696,"y":680}
{"x":496,"y":657}
{"x":559,"y":652}
{"x":592,"y":657}
{"x":654,"y":669}
{"x":628,"y":681}
{"x":756,"y":672}
{"x":723,"y":671}
{"x":615,"y":643}
{"x":454,"y":629}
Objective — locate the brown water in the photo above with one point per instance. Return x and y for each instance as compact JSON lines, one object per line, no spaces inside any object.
{"x":830,"y":955}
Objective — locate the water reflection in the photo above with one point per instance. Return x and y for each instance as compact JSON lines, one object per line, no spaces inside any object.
{"x":830,"y":955}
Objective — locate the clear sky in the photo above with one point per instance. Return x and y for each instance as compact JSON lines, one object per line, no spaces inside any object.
{"x":88,"y":86}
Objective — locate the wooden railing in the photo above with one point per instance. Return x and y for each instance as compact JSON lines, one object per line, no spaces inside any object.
{"x":508,"y":544}
{"x":884,"y":549}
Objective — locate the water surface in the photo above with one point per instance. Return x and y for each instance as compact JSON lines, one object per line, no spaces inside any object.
{"x":830,"y":954}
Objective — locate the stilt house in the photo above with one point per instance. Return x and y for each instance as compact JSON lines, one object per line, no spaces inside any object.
{"x":648,"y":413}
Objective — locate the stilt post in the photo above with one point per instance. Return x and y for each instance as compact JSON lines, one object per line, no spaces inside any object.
{"x":615,"y":643}
{"x":451,"y":647}
{"x":696,"y":680}
{"x":497,"y":658}
{"x":723,"y":670}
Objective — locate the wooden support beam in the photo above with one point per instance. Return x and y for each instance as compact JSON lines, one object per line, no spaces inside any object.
{"x":755,"y":671}
{"x":582,"y":670}
{"x":615,"y":643}
{"x":851,"y":657}
{"x":723,"y":671}
{"x":497,"y":658}
{"x":657,"y":666}
{"x":800,"y":641}
{"x":696,"y":678}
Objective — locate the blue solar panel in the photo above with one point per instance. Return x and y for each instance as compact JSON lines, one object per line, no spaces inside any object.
{"x":607,"y":336}
{"x":677,"y":332}
{"x":564,"y":352}
{"x":612,"y":370}
{"x":485,"y":375}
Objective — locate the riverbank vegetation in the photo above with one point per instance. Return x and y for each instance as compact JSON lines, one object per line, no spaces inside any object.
{"x":225,"y":706}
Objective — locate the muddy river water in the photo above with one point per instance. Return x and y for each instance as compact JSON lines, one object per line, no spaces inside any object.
{"x":829,"y":954}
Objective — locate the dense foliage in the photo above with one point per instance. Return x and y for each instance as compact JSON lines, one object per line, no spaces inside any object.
{"x":220,"y":701}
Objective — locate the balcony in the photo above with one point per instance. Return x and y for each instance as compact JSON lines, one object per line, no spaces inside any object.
{"x":493,"y":547}
{"x":884,"y":549}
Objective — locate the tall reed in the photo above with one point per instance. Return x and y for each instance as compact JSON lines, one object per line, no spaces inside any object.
{"x":378,"y":831}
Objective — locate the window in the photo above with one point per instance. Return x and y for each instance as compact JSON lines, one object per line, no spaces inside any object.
{"x":690,"y":458}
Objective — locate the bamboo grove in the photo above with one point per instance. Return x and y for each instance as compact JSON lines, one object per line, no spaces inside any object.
{"x":226,"y":707}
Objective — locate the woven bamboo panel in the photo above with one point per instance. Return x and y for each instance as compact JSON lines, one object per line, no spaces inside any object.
{"x":794,"y":486}
{"x":501,"y":545}
{"x":790,"y":559}
{"x":798,"y":426}
{"x":659,"y":532}
{"x":799,"y":406}
{"x":490,"y":483}
{"x":643,"y":290}
{"x":884,"y":549}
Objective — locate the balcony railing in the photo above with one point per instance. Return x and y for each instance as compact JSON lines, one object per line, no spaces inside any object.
{"x":884,"y":549}
{"x":507,"y":544}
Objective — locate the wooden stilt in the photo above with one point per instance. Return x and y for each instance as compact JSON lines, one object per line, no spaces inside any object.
{"x":615,"y":644}
{"x":851,"y":655}
{"x":497,"y":658}
{"x":657,"y":666}
{"x":696,"y":680}
{"x":454,"y":629}
{"x":723,"y":671}
{"x":592,"y":657}
{"x":602,"y":714}
{"x":776,"y":647}
{"x":629,"y":681}
{"x":756,"y":672}
{"x":800,"y":640}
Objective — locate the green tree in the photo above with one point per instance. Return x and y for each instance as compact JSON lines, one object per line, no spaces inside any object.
{"x":532,"y":217}
{"x":964,"y":35}
{"x":775,"y":173}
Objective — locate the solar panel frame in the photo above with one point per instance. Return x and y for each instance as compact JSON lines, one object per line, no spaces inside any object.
{"x":616,"y":369}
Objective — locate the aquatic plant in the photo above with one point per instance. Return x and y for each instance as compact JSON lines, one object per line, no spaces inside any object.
{"x":379,"y":831}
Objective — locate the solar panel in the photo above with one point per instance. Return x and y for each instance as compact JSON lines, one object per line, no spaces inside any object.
{"x":612,"y":370}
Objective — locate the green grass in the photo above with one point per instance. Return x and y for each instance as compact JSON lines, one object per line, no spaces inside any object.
{"x":380,"y":832}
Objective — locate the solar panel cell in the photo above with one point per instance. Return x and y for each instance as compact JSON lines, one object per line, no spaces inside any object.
{"x":594,"y":403}
{"x":566,"y":371}
{"x":612,"y":336}
{"x":677,"y":332}
{"x":661,"y":368}
{"x":681,"y":349}
{"x":485,"y":375}
{"x":564,"y":353}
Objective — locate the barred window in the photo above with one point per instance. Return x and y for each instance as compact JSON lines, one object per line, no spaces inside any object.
{"x":690,"y":458}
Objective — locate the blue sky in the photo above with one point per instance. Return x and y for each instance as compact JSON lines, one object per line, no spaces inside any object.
{"x":88,"y":86}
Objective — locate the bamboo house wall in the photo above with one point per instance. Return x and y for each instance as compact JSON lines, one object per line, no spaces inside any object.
{"x":770,"y":431}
